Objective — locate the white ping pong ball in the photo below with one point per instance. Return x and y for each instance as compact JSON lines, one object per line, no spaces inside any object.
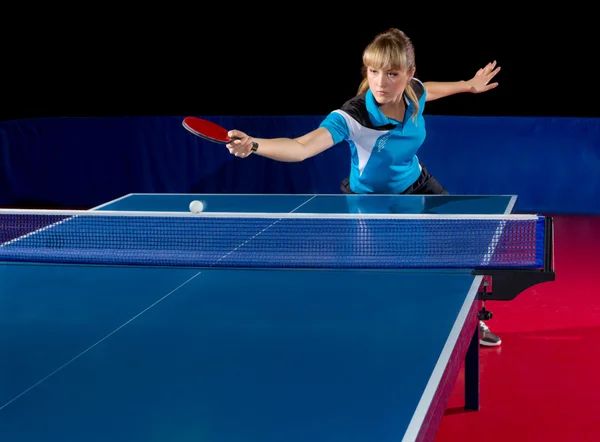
{"x":196,"y":206}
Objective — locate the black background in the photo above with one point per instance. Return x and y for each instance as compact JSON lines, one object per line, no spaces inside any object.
{"x":291,"y":60}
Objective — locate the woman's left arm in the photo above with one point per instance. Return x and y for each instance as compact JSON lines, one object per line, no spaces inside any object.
{"x":479,"y":83}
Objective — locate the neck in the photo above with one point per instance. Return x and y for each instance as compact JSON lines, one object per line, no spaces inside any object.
{"x":394,"y":109}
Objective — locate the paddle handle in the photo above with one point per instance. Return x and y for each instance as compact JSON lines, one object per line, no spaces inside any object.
{"x":254,"y":144}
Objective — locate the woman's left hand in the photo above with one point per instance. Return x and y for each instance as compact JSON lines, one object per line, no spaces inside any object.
{"x":481,"y":81}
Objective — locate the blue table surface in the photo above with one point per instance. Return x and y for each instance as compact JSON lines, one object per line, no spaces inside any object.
{"x":101,"y":353}
{"x":267,"y":203}
{"x":221,"y":355}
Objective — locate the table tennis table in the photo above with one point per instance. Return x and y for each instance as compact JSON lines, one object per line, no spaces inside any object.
{"x":106,"y":349}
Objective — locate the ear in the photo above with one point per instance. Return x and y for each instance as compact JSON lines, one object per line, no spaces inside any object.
{"x":411,"y":73}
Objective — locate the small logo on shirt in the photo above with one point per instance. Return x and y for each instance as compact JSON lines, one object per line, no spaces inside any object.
{"x":381,"y":142}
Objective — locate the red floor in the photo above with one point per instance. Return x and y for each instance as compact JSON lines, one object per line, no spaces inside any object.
{"x":543,"y":382}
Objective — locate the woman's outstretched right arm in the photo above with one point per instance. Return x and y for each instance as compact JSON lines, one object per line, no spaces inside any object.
{"x":282,"y":149}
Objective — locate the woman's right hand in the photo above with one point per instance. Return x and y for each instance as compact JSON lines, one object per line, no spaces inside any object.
{"x":241,"y":146}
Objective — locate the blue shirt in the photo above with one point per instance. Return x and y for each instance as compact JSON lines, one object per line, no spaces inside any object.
{"x":383,"y":150}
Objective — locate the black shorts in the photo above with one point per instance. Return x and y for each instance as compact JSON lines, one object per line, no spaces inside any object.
{"x":426,"y":184}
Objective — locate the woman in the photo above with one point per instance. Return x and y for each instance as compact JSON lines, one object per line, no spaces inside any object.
{"x":383,"y":125}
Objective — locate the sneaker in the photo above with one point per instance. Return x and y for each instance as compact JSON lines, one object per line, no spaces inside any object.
{"x":486,"y":337}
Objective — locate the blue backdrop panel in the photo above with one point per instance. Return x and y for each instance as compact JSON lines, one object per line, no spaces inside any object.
{"x":86,"y":161}
{"x":553,"y":164}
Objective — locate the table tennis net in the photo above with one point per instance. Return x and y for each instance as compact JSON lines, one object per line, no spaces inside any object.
{"x":271,"y":240}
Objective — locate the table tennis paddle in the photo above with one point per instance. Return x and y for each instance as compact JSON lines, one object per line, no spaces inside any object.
{"x":210,"y":131}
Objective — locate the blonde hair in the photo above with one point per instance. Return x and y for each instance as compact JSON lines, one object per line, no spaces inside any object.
{"x":390,"y":50}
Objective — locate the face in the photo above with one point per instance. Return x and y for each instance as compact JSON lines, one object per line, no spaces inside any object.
{"x":388,"y":86}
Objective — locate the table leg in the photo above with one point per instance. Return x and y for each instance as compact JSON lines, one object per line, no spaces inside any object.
{"x":472,"y":372}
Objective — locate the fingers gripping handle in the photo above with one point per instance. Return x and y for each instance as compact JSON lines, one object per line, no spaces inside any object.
{"x":254,"y":144}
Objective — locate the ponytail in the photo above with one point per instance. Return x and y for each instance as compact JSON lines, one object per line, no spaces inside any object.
{"x":412,"y":96}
